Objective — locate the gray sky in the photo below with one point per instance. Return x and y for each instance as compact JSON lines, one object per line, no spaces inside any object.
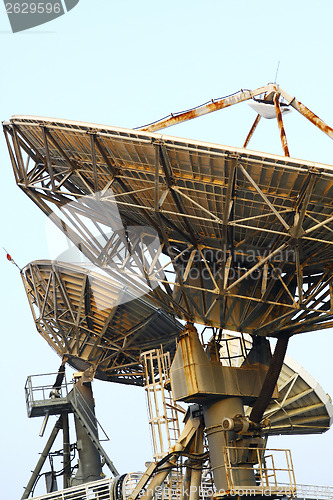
{"x":126,"y":64}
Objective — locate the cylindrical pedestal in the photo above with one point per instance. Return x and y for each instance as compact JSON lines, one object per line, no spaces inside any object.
{"x":90,"y":468}
{"x":213,"y":415}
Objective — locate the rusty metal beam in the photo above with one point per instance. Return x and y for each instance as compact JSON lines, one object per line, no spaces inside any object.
{"x":250,"y":134}
{"x":214,"y":105}
{"x":281,"y":322}
{"x":268,"y":98}
{"x":297,"y":230}
{"x":241,"y":96}
{"x":280,"y":124}
{"x":307,"y":113}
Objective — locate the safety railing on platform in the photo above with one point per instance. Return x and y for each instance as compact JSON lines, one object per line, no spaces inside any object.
{"x":39,"y":388}
{"x":97,"y":490}
{"x":273,"y":470}
{"x":106,"y":489}
{"x":83,"y":410}
{"x":314,"y":492}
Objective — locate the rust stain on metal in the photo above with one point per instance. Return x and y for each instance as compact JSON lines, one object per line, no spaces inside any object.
{"x":188,"y":115}
{"x":214,"y":105}
{"x":250,"y":134}
{"x":281,"y":127}
{"x":313,"y":118}
{"x":188,"y":362}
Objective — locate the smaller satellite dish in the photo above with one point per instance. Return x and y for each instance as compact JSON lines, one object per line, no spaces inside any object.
{"x":302,"y":406}
{"x":91,"y":320}
{"x":266,"y":109}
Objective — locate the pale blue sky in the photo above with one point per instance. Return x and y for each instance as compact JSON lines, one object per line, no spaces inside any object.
{"x":126,"y":63}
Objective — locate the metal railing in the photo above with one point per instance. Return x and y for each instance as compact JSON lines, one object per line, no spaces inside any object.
{"x":105,"y":490}
{"x":37,"y":392}
{"x":97,"y":490}
{"x":84,"y":412}
{"x":91,"y":424}
{"x":273,"y":469}
{"x":40,"y":390}
{"x":314,"y":492}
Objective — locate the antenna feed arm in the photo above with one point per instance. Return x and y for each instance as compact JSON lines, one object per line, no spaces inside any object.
{"x":243,"y":425}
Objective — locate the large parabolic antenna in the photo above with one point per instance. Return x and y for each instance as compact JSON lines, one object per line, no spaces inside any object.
{"x":220,"y":236}
{"x":85,"y":318}
{"x":247,"y":235}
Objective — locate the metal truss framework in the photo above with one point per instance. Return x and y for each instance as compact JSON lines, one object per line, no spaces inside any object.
{"x":245,"y":237}
{"x":78,"y":314}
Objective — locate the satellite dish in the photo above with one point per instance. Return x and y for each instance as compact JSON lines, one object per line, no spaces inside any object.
{"x":245,"y":243}
{"x":90,"y":320}
{"x":245,"y":235}
{"x":302,"y":406}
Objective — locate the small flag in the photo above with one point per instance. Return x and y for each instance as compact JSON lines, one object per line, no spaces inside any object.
{"x":10,"y":258}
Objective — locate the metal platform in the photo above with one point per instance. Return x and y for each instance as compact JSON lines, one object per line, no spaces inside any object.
{"x":39,"y":402}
